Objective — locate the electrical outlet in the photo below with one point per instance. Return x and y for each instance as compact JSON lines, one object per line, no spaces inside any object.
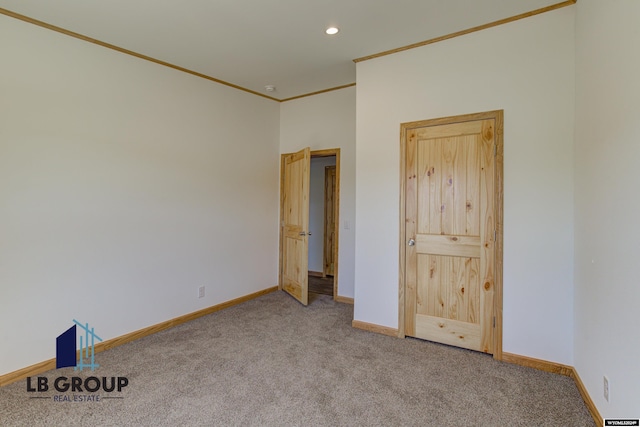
{"x":606,"y":388}
{"x":201,"y":292}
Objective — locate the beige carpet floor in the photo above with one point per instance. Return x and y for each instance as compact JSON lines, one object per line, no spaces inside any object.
{"x":273,"y":362}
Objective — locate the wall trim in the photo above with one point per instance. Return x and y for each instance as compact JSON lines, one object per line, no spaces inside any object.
{"x":541,"y":365}
{"x":79,"y":36}
{"x":82,"y":37}
{"x":468,"y":30}
{"x":344,"y":300}
{"x":126,"y":51}
{"x":587,"y":399}
{"x":50,"y":364}
{"x":557,"y":368}
{"x":331,"y":89}
{"x":378,"y":329}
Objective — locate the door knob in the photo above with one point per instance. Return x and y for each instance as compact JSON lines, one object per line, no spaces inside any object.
{"x":412,"y":242}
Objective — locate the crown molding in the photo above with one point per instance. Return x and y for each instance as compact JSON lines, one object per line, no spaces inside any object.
{"x":468,"y":31}
{"x":126,"y":51}
{"x":331,"y":89}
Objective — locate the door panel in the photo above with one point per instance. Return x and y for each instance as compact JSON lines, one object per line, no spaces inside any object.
{"x":449,"y":207}
{"x":295,"y":225}
{"x":455,"y":300}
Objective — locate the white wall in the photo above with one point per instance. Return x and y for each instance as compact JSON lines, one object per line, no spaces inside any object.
{"x":607,"y":207}
{"x":527,"y":69}
{"x":124,"y":186}
{"x":316,"y":211}
{"x":320,"y":122}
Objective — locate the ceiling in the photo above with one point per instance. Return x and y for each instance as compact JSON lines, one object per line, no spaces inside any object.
{"x":253,"y":43}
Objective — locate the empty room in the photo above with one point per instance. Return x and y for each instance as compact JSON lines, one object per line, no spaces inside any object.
{"x":319,"y":212}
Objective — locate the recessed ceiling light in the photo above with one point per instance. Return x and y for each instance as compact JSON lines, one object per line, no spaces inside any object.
{"x":332,"y":30}
{"x":270,"y":88}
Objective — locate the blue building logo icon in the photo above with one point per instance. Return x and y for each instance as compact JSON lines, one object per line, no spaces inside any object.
{"x":66,"y":349}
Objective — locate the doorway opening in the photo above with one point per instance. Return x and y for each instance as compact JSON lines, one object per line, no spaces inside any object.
{"x":309,"y":224}
{"x":322,"y":194}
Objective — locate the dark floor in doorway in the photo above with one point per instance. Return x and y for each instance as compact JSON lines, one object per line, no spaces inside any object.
{"x":321,"y":285}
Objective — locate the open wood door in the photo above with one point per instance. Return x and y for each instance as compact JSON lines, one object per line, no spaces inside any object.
{"x":295,"y":225}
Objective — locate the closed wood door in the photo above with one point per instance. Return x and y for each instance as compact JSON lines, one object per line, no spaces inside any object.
{"x":329,"y":219}
{"x":450,"y":233}
{"x":295,"y":225}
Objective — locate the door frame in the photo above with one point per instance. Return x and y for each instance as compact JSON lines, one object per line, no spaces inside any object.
{"x":328,"y":196}
{"x":314,"y":154}
{"x":497,"y":115}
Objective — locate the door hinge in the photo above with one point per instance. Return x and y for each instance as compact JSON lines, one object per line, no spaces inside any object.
{"x":495,"y":235}
{"x":494,"y":321}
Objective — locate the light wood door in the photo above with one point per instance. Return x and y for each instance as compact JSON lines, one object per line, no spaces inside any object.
{"x":329,"y":218}
{"x":295,"y":225}
{"x":450,"y":231}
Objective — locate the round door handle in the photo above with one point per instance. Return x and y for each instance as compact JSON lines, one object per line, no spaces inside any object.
{"x":412,"y":242}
